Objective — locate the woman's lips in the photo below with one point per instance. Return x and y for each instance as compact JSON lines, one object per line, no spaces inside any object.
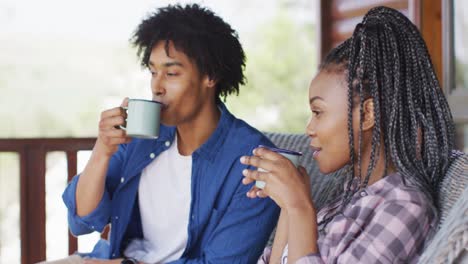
{"x":315,"y":151}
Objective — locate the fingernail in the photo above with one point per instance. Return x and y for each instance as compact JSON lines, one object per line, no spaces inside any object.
{"x":245,"y":172}
{"x":242,"y":159}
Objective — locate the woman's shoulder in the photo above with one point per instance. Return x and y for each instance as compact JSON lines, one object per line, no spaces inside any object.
{"x":395,"y":188}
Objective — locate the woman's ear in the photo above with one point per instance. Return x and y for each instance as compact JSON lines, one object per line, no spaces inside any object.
{"x":369,"y":118}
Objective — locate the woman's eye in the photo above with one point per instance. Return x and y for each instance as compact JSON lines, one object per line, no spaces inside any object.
{"x":315,"y":112}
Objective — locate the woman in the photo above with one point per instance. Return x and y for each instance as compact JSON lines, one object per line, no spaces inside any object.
{"x":377,"y":109}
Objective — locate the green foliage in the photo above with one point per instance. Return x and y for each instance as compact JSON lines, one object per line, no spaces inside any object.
{"x":281,"y":63}
{"x":59,"y":91}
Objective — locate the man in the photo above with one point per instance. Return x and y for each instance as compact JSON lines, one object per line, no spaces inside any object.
{"x":179,"y":198}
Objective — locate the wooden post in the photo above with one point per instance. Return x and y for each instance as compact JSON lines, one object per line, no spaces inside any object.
{"x":33,"y":216}
{"x":324,"y":27}
{"x":431,"y":30}
{"x":72,"y":162}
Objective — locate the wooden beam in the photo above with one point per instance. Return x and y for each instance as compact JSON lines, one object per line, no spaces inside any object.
{"x":324,"y":26}
{"x":50,"y":144}
{"x":345,"y":9}
{"x":431,"y":30}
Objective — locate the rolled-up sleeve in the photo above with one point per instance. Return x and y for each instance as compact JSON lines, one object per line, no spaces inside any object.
{"x":100,"y":216}
{"x":310,"y":259}
{"x":95,"y":221}
{"x":265,"y":257}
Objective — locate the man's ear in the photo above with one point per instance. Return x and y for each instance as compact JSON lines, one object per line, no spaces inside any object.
{"x":209,"y":81}
{"x":369,"y":118}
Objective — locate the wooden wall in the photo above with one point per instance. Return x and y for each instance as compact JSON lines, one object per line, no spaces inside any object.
{"x":339,"y":17}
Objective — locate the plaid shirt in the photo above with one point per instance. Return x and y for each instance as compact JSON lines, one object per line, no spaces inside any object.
{"x":386,"y":222}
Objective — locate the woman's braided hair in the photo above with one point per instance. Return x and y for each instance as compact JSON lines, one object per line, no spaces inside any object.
{"x":387,"y":60}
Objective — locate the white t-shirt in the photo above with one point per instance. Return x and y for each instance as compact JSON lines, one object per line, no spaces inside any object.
{"x":164,"y":200}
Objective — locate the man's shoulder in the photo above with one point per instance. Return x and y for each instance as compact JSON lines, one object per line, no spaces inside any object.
{"x":244,"y":134}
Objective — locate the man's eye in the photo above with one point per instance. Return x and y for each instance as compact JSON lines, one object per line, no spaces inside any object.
{"x":172,"y":74}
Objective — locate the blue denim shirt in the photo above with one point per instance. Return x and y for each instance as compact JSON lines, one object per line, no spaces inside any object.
{"x":225,"y":226}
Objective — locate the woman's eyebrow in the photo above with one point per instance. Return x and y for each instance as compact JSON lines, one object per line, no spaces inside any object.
{"x":312,"y":99}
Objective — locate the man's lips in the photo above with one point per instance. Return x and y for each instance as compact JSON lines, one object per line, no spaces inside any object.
{"x":163,"y":104}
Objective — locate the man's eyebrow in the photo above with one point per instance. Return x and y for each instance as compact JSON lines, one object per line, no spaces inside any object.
{"x":172,"y":63}
{"x":167,"y":64}
{"x":311,"y":100}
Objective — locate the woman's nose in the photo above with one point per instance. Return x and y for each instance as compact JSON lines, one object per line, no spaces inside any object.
{"x":310,"y":128}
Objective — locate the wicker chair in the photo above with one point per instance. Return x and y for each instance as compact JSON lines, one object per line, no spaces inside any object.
{"x":450,"y":242}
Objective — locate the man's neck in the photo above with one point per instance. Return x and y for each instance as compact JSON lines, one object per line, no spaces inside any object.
{"x":191,"y":136}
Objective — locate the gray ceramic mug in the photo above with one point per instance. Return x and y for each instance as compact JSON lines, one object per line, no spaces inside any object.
{"x":143,"y":118}
{"x":293,"y":156}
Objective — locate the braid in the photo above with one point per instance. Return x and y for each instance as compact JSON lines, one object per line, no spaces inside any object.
{"x":375,"y":96}
{"x":387,"y":61}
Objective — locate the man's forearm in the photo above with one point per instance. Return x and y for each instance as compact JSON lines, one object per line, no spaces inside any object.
{"x":90,"y":186}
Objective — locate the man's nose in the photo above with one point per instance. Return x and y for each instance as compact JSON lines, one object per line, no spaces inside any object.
{"x":157,"y":86}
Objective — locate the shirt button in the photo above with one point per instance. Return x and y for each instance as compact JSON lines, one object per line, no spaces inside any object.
{"x":113,"y":255}
{"x":116,"y":218}
{"x":152,"y":155}
{"x":167,"y":143}
{"x":193,"y":217}
{"x":92,"y":227}
{"x":122,"y":180}
{"x":363,"y":193}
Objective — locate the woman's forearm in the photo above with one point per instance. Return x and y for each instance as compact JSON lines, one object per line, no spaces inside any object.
{"x":281,"y":238}
{"x":302,"y":232}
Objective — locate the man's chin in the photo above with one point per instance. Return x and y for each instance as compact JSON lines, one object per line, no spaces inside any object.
{"x":167,"y":123}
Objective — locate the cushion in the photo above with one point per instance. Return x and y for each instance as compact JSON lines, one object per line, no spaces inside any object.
{"x":453,"y":184}
{"x":450,"y":243}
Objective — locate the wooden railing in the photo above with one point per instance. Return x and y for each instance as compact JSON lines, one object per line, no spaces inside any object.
{"x":32,"y":153}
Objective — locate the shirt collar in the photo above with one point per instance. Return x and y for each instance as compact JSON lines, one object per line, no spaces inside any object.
{"x":211,"y":147}
{"x":387,"y":182}
{"x":207,"y":150}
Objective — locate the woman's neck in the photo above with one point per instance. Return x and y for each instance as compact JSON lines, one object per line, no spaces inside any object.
{"x":379,"y":171}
